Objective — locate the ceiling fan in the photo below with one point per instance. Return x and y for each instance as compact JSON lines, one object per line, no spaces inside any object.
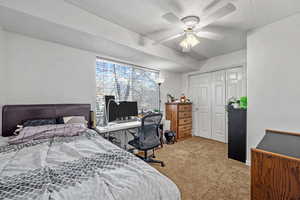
{"x":193,"y":24}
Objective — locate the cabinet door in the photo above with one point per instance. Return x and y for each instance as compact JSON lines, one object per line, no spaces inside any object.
{"x":237,"y":128}
{"x":218,"y":106}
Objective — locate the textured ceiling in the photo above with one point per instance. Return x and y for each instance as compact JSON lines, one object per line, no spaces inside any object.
{"x":126,"y":29}
{"x":144,"y":17}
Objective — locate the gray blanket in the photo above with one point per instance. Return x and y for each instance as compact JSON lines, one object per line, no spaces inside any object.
{"x":47,"y":131}
{"x":79,"y":167}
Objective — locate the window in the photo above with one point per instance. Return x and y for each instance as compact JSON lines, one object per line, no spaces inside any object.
{"x":127,"y":83}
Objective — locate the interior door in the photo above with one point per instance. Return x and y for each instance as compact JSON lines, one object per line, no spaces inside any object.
{"x":218,"y":106}
{"x":200,"y":93}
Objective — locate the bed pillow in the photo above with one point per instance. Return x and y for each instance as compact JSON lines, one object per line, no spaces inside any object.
{"x":60,"y":120}
{"x":39,"y":122}
{"x":75,"y":120}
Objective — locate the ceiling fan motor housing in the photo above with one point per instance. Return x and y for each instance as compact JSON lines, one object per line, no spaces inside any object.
{"x":191,"y":21}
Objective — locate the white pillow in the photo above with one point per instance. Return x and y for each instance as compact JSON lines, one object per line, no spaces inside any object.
{"x":75,"y":120}
{"x":18,"y":130}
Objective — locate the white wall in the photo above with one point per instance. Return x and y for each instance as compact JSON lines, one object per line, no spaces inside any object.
{"x":172,"y":85}
{"x":233,"y":59}
{"x":230,"y":60}
{"x":2,"y":73}
{"x":2,"y":65}
{"x":44,"y":72}
{"x":41,"y":72}
{"x":273,"y":78}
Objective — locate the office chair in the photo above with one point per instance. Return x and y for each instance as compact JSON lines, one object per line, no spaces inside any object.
{"x":148,"y":137}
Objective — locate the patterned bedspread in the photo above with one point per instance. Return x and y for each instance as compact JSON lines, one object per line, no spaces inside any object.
{"x":79,"y":167}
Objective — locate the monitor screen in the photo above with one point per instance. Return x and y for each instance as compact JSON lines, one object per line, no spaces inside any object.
{"x":127,"y":109}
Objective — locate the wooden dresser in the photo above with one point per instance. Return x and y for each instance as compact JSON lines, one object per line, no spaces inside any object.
{"x":180,"y":115}
{"x":275,"y":167}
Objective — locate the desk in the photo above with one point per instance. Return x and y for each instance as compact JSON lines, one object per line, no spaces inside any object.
{"x":112,"y":127}
{"x":123,"y":127}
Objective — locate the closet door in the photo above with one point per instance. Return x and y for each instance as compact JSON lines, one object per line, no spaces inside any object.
{"x":218,"y":106}
{"x":193,"y":95}
{"x":200,"y":93}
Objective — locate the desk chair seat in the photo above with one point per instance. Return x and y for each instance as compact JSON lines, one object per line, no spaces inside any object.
{"x":148,"y":137}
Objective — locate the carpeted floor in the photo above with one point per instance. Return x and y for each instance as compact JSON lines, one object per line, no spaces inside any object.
{"x":201,"y":170}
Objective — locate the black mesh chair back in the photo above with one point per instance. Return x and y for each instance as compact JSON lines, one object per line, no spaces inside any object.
{"x":149,"y":136}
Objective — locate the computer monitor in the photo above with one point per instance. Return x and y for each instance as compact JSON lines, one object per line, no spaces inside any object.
{"x":132,"y":108}
{"x":127,"y":109}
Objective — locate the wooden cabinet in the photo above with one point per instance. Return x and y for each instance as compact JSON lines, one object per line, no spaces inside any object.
{"x":275,"y":167}
{"x":180,"y":115}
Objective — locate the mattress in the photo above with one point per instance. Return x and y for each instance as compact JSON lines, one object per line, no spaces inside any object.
{"x":85,"y":166}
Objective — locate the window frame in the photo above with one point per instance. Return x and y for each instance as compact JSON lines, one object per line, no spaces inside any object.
{"x":133,"y":67}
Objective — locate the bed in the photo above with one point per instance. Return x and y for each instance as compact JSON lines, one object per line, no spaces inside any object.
{"x":82,"y":166}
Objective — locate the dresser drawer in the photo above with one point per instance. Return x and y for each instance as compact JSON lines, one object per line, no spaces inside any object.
{"x":185,"y":108}
{"x":187,"y":127}
{"x":183,"y":134}
{"x":185,"y":121}
{"x":187,"y":114}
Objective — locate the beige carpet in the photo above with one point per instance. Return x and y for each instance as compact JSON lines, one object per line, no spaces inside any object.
{"x":201,"y":170}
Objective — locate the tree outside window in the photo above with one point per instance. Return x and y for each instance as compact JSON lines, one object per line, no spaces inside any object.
{"x":126,"y":83}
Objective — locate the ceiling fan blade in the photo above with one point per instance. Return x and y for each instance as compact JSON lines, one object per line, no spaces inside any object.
{"x":171,"y":18}
{"x":209,"y":35}
{"x":218,"y":14}
{"x":168,"y":38}
{"x":211,"y":5}
{"x":215,"y":4}
{"x":168,"y":5}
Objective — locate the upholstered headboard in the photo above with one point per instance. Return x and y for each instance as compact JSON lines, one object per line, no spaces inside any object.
{"x":12,"y":115}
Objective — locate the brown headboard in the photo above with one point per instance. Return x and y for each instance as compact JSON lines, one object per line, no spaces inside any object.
{"x":12,"y":115}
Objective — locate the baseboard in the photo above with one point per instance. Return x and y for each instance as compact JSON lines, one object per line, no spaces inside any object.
{"x":248,"y":162}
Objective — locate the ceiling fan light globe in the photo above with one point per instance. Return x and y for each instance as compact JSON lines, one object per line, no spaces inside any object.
{"x":189,"y":42}
{"x":192,"y":40}
{"x":184,"y":44}
{"x":186,"y":47}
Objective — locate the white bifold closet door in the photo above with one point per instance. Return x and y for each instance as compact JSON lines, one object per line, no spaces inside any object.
{"x":200,"y":94}
{"x":218,"y":106}
{"x":209,"y":93}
